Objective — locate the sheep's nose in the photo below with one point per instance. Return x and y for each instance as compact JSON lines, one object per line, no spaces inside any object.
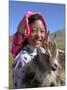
{"x":54,"y":67}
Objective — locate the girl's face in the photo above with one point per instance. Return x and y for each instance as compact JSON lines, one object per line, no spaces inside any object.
{"x":37,"y":34}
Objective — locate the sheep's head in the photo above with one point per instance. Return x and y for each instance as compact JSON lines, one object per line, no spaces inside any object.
{"x":53,"y":53}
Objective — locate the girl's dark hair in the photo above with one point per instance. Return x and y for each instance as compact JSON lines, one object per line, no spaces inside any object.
{"x":33,"y":18}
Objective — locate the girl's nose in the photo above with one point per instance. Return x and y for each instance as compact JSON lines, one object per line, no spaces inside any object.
{"x":38,"y":33}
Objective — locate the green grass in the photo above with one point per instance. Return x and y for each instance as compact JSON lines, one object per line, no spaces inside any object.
{"x":10,"y":72}
{"x":61,"y":44}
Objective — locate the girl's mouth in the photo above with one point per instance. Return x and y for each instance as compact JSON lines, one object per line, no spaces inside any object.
{"x":37,"y":42}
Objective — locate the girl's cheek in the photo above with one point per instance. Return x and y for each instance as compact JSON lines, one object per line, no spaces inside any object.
{"x":33,"y":34}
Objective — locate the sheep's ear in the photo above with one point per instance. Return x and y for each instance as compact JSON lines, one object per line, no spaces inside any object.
{"x":41,"y":50}
{"x":52,"y":42}
{"x":53,"y":39}
{"x":61,"y":55}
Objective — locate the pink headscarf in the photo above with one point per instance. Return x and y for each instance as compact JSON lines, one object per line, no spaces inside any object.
{"x":23,"y":32}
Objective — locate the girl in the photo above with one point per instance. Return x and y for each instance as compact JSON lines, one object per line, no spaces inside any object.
{"x":32,"y":33}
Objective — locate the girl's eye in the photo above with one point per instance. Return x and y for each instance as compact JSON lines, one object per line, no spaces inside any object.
{"x":33,"y":30}
{"x":42,"y":31}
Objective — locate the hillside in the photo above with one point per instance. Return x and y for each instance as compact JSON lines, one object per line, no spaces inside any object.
{"x":60,"y":38}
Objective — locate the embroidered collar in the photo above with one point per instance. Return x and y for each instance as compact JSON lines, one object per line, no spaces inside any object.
{"x":29,"y":48}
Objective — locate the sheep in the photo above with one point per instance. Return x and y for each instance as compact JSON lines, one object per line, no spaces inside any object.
{"x":46,"y":68}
